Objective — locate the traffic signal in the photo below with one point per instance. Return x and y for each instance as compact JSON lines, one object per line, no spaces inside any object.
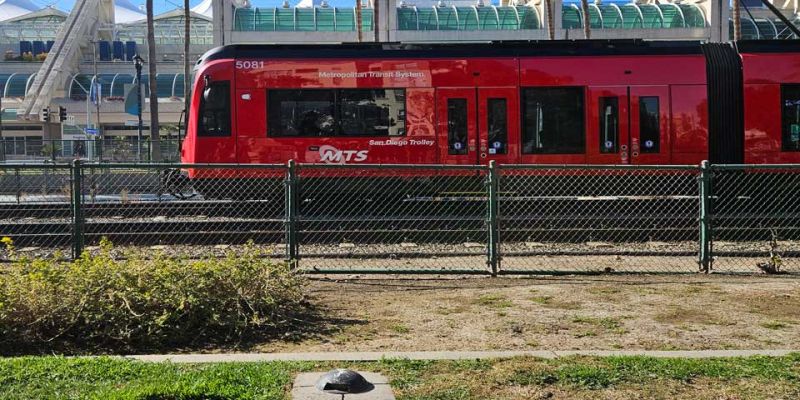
{"x":62,"y":113}
{"x":46,"y":114}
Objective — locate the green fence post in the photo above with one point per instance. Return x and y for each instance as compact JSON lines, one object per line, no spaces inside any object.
{"x":493,"y":258}
{"x":705,"y":259}
{"x":291,"y":214}
{"x":77,"y":210}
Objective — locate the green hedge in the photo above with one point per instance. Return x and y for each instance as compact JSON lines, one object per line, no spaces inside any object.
{"x":135,"y":303}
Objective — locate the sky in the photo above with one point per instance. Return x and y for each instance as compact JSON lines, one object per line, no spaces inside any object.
{"x":160,"y":6}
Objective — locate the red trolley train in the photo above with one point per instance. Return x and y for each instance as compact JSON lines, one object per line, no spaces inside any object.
{"x":579,"y":102}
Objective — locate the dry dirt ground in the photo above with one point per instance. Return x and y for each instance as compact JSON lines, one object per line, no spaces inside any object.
{"x":553,"y":313}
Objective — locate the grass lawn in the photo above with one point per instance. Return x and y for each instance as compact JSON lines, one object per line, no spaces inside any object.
{"x":516,"y":378}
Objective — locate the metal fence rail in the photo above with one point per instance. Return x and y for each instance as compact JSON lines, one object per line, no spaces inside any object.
{"x":509,"y":219}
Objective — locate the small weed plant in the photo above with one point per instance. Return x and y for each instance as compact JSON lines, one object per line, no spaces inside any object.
{"x":135,"y":303}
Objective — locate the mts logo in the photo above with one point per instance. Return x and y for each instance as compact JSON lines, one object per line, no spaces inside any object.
{"x":332,"y":155}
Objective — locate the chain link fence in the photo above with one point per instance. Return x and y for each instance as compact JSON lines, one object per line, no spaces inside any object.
{"x":394,"y":217}
{"x":598,"y":219}
{"x":35,"y":206}
{"x":157,"y":206}
{"x":755,"y":222}
{"x":509,"y":219}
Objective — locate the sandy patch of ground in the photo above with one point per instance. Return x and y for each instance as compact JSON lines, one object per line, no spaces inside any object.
{"x":604,"y":312}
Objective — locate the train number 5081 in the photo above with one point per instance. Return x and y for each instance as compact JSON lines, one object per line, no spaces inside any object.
{"x":249,"y":64}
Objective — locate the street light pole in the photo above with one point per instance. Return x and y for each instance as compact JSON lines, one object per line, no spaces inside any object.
{"x":137,"y":62}
{"x":98,"y":96}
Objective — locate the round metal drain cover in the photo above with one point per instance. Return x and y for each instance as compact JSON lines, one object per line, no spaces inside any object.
{"x":343,"y":381}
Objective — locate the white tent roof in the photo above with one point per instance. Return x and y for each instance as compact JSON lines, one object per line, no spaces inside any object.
{"x":204,"y":8}
{"x":44,"y":12}
{"x":125,"y":12}
{"x":14,"y":8}
{"x":309,"y":3}
{"x":319,"y":3}
{"x":448,"y":3}
{"x":179,"y":14}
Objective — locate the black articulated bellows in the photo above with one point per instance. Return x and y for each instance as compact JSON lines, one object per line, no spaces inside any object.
{"x":725,"y":104}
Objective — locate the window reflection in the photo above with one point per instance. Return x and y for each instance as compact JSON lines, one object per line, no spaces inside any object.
{"x":336,"y":112}
{"x":553,"y":120}
{"x":457,"y":126}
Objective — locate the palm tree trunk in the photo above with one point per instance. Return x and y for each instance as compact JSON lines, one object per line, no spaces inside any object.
{"x":737,"y":20}
{"x":358,"y":19}
{"x":587,"y":29}
{"x":155,"y":146}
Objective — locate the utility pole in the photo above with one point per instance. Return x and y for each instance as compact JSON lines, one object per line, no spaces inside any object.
{"x":155,"y":145}
{"x":138,"y":64}
{"x":96,"y":88}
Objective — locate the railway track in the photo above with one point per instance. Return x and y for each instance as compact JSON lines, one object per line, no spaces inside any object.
{"x":453,"y":229}
{"x":424,"y":220}
{"x":141,"y":209}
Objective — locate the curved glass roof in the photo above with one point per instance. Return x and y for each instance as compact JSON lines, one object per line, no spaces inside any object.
{"x":319,"y":19}
{"x":113,"y":85}
{"x":763,"y":29}
{"x":471,"y":18}
{"x":15,"y":85}
{"x":453,"y":18}
{"x":634,"y":16}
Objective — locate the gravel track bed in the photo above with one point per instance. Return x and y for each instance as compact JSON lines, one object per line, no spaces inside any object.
{"x":593,"y":257}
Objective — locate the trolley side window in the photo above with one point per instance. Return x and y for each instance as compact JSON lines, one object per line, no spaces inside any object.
{"x":215,"y":110}
{"x":497,"y":120}
{"x":649,"y":124}
{"x":609,"y":124}
{"x":790,"y":114}
{"x":336,"y":112}
{"x":293,"y":113}
{"x":456,"y":126}
{"x":553,"y":120}
{"x":371,"y":112}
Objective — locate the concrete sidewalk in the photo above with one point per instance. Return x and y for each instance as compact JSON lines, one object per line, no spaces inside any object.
{"x":446,"y":355}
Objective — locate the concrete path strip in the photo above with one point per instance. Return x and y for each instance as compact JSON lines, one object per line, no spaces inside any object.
{"x":446,"y":355}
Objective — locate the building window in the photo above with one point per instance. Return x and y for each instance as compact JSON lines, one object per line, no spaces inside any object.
{"x":336,"y":112}
{"x":22,"y":146}
{"x":215,"y":110}
{"x":553,"y":120}
{"x":649,"y":124}
{"x":790,"y":114}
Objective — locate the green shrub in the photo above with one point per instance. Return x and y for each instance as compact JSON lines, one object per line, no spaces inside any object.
{"x":135,"y":303}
